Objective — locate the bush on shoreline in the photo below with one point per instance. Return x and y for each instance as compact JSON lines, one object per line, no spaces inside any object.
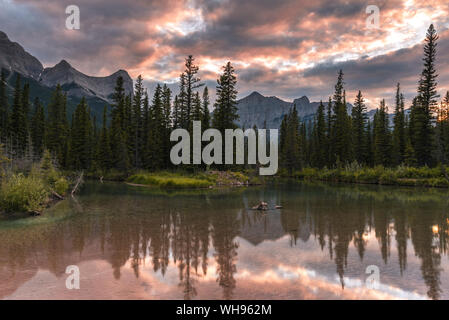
{"x":400,"y":176}
{"x":32,"y":192}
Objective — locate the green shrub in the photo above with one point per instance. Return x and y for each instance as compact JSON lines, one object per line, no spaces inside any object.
{"x":61,"y":186}
{"x":20,"y":193}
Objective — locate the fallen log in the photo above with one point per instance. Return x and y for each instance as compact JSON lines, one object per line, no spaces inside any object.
{"x":54,"y":193}
{"x":80,"y":179}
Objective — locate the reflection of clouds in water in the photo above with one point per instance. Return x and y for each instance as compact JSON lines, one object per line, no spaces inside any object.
{"x":184,"y":247}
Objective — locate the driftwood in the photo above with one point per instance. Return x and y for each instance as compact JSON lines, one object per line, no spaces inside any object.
{"x":262,"y":206}
{"x":101,"y":179}
{"x":54,"y":193}
{"x":78,"y":183}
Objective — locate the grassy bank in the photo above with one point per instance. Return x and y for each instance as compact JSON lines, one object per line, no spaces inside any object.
{"x":400,"y":176}
{"x":178,"y":180}
{"x":33,"y":191}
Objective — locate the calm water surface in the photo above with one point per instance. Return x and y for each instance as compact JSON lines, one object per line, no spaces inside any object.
{"x":139,"y":243}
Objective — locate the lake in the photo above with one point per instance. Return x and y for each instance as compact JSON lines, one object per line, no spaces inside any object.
{"x":326,"y":242}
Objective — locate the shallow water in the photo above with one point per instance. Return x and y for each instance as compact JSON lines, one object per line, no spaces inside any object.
{"x":141,"y":243}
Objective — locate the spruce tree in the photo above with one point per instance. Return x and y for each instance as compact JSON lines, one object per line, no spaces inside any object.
{"x":427,"y":88}
{"x":104,"y":148}
{"x":320,"y":148}
{"x":399,"y":137}
{"x":57,"y":127}
{"x":81,"y":146}
{"x":4,"y":108}
{"x":154,"y":146}
{"x":225,"y":113}
{"x":359,"y":118}
{"x":38,"y":128}
{"x":424,"y":105}
{"x":192,"y":82}
{"x":292,"y":142}
{"x":341,"y":126}
{"x":119,"y":124}
{"x":136,"y":128}
{"x":382,"y":140}
{"x":19,"y":132}
{"x":369,"y":145}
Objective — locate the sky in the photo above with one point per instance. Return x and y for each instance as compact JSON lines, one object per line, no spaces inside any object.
{"x":283,"y":48}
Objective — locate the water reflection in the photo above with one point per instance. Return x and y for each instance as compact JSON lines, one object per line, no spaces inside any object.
{"x":187,"y":246}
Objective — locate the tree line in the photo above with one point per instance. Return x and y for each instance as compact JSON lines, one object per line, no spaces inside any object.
{"x":135,"y":132}
{"x":419,"y":137}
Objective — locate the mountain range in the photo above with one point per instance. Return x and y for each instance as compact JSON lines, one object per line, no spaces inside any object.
{"x":97,"y":90}
{"x":254,"y":109}
{"x":268,"y":112}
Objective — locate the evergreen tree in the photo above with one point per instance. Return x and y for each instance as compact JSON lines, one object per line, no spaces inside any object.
{"x":57,"y":126}
{"x":38,"y":128}
{"x":359,"y":118}
{"x":136,"y":125}
{"x":167,"y":125}
{"x":424,"y":105}
{"x":18,"y":123}
{"x":176,"y":113}
{"x":329,"y":119}
{"x":420,"y":133}
{"x":369,"y":145}
{"x":104,"y":148}
{"x":399,"y":137}
{"x":192,"y":82}
{"x":427,"y":89}
{"x":443,"y":129}
{"x":119,"y":122}
{"x":81,"y":146}
{"x":319,"y":135}
{"x":197,"y":114}
{"x":205,"y":123}
{"x":225,"y":113}
{"x":382,"y":143}
{"x":291,"y":144}
{"x":154,"y":146}
{"x":4,"y":108}
{"x":341,"y":126}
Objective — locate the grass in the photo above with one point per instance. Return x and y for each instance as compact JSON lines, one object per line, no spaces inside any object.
{"x":400,"y":176}
{"x":172,"y":180}
{"x":179,"y":180}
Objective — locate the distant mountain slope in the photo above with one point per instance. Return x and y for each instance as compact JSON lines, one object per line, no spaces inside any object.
{"x":78,"y":84}
{"x":97,"y":90}
{"x":14,"y":58}
{"x":268,"y":112}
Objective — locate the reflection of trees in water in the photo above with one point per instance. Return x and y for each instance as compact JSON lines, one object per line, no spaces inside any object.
{"x":340,"y":219}
{"x":225,"y":229}
{"x":186,"y":232}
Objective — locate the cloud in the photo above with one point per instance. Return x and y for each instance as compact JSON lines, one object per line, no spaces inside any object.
{"x":286,"y":48}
